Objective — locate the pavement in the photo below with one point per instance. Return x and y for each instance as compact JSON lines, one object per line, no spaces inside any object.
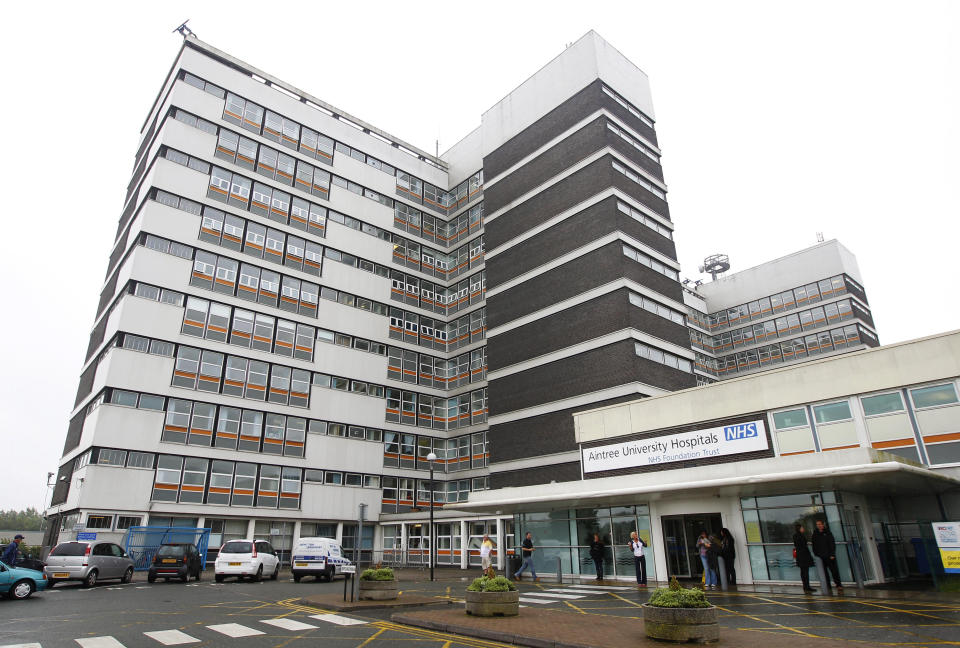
{"x":281,"y":614}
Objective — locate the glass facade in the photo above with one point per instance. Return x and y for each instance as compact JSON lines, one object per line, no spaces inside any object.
{"x":770,"y":522}
{"x":566,"y":535}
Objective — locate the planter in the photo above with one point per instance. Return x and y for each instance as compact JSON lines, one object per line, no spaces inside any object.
{"x":682,"y":625}
{"x":371,"y":590}
{"x":490,"y":604}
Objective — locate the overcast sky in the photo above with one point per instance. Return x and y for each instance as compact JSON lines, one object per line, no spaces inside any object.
{"x":776,"y":120}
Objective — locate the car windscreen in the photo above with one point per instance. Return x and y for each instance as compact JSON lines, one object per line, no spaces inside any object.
{"x":171,"y":550}
{"x":69,"y":549}
{"x":235,"y":546}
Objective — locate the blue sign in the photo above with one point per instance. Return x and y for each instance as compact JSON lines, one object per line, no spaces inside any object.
{"x":86,"y":536}
{"x":743,"y":431}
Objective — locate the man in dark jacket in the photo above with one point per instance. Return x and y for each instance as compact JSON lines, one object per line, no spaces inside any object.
{"x":10,"y":552}
{"x":825,"y":547}
{"x":597,"y":551}
{"x":804,"y":559}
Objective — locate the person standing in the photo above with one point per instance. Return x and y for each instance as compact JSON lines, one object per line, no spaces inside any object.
{"x":825,"y":547}
{"x":526,"y":552}
{"x":486,"y":548}
{"x":802,"y":555}
{"x":704,"y":546}
{"x":728,"y":550}
{"x":597,"y":551}
{"x":639,"y":560}
{"x":10,"y":552}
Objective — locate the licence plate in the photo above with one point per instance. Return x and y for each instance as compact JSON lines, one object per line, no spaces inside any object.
{"x":300,"y":564}
{"x":61,"y":574}
{"x":169,"y":560}
{"x":234,"y":564}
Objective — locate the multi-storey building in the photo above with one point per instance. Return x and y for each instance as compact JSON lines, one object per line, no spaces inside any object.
{"x":299,"y":308}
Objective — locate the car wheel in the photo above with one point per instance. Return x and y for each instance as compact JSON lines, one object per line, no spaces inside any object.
{"x":22,"y":589}
{"x":127,"y":575}
{"x":185,"y":576}
{"x":199,"y":572}
{"x":91,"y":579}
{"x":276,"y":572}
{"x":259,"y":575}
{"x":218,"y":578}
{"x":296,"y":578}
{"x":151,"y":578}
{"x":330,"y":573}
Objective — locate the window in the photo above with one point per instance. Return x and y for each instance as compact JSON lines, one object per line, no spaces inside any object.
{"x":112,"y":457}
{"x":167,"y":480}
{"x":790,"y":418}
{"x":832,"y":412}
{"x":882,"y":403}
{"x":121,"y":397}
{"x":140,"y":460}
{"x":126,"y":521}
{"x":934,"y":395}
{"x":99,"y":521}
{"x":194,"y":479}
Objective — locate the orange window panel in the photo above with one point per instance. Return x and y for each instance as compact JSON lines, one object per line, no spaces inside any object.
{"x":786,"y":454}
{"x":194,"y":489}
{"x":166,"y":486}
{"x":242,"y":491}
{"x":214,"y":489}
{"x":843,"y":447}
{"x":934,"y":438}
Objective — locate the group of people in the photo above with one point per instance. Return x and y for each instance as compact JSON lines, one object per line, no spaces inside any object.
{"x":824,"y":547}
{"x":711,"y":548}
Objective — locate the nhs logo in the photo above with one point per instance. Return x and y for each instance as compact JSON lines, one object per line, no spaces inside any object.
{"x":744,"y":431}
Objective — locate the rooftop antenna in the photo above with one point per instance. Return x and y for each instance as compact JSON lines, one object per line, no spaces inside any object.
{"x":716,"y":264}
{"x":819,"y":237}
{"x":183,"y":30}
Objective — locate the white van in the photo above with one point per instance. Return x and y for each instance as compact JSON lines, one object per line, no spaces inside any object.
{"x":319,"y":557}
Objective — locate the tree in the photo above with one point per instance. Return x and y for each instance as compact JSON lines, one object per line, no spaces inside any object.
{"x":28,"y":520}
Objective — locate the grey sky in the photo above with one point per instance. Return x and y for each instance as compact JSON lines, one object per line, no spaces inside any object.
{"x":777,"y":121}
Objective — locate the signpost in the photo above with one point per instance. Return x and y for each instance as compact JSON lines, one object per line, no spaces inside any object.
{"x":948,"y":542}
{"x":86,"y":536}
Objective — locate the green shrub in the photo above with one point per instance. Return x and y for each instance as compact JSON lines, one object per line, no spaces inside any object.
{"x":498,"y":584}
{"x":380,"y":574}
{"x":678,"y":598}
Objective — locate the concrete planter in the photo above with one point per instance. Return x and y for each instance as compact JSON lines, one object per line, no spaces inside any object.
{"x":490,"y":604}
{"x":371,"y":590}
{"x":698,"y":625}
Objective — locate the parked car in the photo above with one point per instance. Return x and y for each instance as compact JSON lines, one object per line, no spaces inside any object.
{"x":177,"y":559}
{"x":88,"y":562}
{"x":246,"y":559}
{"x":319,"y":557}
{"x":19,"y":582}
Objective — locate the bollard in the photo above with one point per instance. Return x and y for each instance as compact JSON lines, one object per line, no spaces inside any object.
{"x":722,"y":568}
{"x":559,"y":570}
{"x":822,"y":573}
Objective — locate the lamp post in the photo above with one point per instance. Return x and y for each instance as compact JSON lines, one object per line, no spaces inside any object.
{"x":431,"y":458}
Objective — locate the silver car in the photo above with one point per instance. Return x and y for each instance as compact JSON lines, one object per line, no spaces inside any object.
{"x":88,"y":562}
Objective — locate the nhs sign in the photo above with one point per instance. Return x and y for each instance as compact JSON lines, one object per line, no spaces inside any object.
{"x":742,"y":431}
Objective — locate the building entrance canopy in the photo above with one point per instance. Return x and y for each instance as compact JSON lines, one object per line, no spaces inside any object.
{"x":860,"y":470}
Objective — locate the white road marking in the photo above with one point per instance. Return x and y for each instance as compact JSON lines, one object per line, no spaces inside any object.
{"x":337,"y":619}
{"x":235,"y":630}
{"x":143,"y":586}
{"x":527,"y":599}
{"x":576,"y":591}
{"x":26,"y":645}
{"x":288,"y":624}
{"x":558,"y":596}
{"x":604,"y":587}
{"x":171,"y":637}
{"x":99,"y":642}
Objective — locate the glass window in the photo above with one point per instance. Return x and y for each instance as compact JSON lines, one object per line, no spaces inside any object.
{"x":831,"y":412}
{"x":881,"y":403}
{"x":790,"y":418}
{"x":934,"y":395}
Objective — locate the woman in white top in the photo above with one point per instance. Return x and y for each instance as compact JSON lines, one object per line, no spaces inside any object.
{"x":639,"y":560}
{"x":486,"y":547}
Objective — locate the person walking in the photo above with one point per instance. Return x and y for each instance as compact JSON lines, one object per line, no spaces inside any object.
{"x":704,"y":545}
{"x":486,"y":548}
{"x":802,"y":555}
{"x":526,"y":552}
{"x":639,"y":560}
{"x":597,"y":552}
{"x":728,"y":550}
{"x":825,"y":547}
{"x":10,"y":552}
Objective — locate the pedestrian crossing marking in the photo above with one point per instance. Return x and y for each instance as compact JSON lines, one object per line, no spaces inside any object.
{"x":288,"y":624}
{"x":98,"y":642}
{"x":235,"y":630}
{"x":26,"y":645}
{"x":337,"y":619}
{"x":527,"y":599}
{"x":570,"y":590}
{"x":557,"y":596}
{"x":171,"y":637}
{"x":603,"y":587}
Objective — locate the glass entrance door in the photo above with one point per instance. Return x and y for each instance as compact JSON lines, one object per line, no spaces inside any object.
{"x":680,"y":533}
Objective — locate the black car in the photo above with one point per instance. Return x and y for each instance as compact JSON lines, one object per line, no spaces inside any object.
{"x":176,"y":560}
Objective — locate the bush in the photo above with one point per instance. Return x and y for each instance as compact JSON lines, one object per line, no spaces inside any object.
{"x":496,"y":584}
{"x":379,"y":574}
{"x":678,"y":598}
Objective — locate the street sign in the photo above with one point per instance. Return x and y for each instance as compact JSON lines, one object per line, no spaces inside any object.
{"x":86,"y":536}
{"x":349,"y":569}
{"x":80,"y":526}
